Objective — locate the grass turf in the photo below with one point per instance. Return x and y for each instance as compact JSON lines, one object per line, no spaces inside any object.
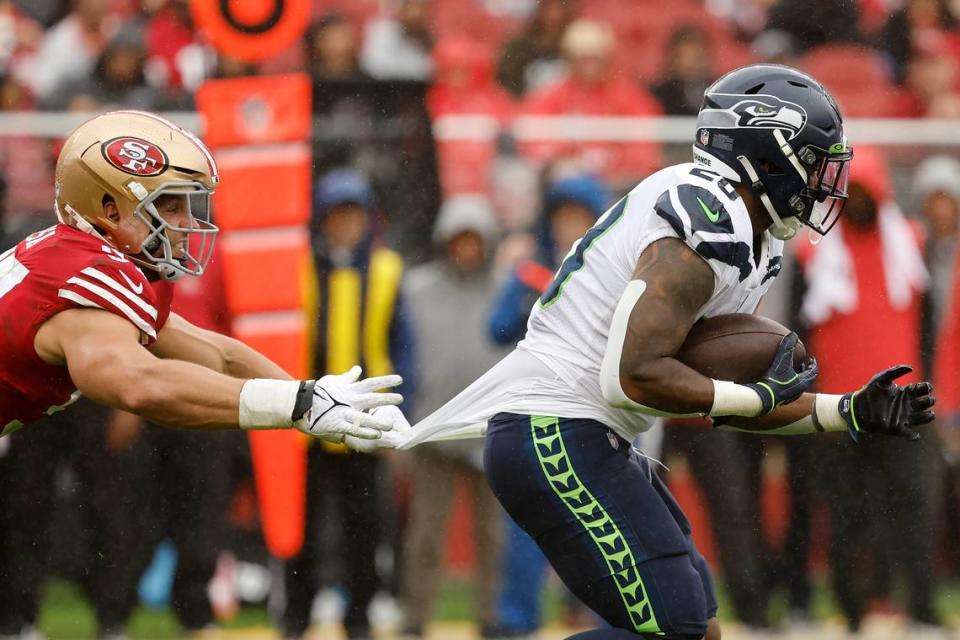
{"x":66,"y":615}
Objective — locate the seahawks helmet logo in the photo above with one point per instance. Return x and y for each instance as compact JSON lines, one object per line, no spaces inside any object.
{"x":770,"y":113}
{"x":760,"y":111}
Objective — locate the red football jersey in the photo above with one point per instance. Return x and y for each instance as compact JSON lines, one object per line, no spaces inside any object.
{"x":51,"y":271}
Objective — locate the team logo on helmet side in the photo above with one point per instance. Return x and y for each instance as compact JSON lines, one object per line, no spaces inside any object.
{"x":135,"y":156}
{"x":770,"y":113}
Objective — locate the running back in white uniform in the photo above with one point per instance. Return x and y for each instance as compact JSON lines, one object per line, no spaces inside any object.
{"x":555,"y":370}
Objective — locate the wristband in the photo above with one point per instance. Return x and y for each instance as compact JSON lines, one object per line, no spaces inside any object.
{"x":732,"y":399}
{"x":269,"y":404}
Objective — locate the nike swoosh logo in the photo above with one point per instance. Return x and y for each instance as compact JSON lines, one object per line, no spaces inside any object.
{"x":138,"y":288}
{"x":712,"y":216}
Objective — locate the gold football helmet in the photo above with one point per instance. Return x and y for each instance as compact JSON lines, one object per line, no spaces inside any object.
{"x":132,"y":159}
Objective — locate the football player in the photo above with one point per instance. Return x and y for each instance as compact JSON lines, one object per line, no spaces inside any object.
{"x":85,"y":304}
{"x":598,"y":362}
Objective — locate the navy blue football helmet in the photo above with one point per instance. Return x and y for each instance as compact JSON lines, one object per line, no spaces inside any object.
{"x":780,"y":131}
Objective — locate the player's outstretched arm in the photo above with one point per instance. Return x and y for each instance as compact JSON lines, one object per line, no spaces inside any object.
{"x":671,"y":283}
{"x":181,"y":340}
{"x":880,"y":406}
{"x":107,"y":363}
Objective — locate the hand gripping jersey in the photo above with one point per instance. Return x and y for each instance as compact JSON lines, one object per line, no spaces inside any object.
{"x":51,"y":271}
{"x":555,"y":370}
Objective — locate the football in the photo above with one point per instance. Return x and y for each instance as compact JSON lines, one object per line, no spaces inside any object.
{"x":737,"y":347}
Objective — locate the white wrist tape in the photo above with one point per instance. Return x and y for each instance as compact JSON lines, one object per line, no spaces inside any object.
{"x":268,"y":404}
{"x":826,"y":413}
{"x":732,"y":399}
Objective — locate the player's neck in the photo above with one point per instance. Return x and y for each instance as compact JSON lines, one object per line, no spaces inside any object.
{"x":759,"y":218}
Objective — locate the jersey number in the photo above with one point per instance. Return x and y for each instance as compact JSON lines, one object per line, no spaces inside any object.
{"x":12,"y":272}
{"x":574,"y":260}
{"x":725,"y":186}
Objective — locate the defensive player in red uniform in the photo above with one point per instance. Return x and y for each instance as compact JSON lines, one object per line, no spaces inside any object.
{"x":85,"y":305}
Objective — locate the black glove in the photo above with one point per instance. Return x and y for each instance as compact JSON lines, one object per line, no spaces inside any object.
{"x":782,"y":384}
{"x":882,"y":406}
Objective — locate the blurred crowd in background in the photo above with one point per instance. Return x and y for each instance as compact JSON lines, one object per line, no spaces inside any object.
{"x":438,"y":247}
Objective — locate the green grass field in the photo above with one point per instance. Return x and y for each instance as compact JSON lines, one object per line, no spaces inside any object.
{"x":65,"y":614}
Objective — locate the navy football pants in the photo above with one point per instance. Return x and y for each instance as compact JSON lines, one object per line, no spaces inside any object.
{"x":606,"y":522}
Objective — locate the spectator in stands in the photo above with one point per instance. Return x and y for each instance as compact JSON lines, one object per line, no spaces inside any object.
{"x":864,"y":283}
{"x":22,"y":34}
{"x":917,"y":25}
{"x":177,"y":57}
{"x":398,"y":47}
{"x":936,"y":186}
{"x":936,"y":198}
{"x":69,"y":50}
{"x":464,"y":86}
{"x":595,"y":87}
{"x":448,"y":299}
{"x":359,"y":285}
{"x":534,"y":59}
{"x":570,"y":207}
{"x":688,"y":72}
{"x":932,"y":77}
{"x":117,"y":82}
{"x":381,"y":125}
{"x":776,"y":47}
{"x":332,"y":50}
{"x":816,"y":22}
{"x":26,"y":162}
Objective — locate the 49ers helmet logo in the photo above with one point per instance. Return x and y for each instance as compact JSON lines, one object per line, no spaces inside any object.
{"x":135,"y":156}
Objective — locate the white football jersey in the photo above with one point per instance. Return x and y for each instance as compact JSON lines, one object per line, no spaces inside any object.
{"x":556,"y":368}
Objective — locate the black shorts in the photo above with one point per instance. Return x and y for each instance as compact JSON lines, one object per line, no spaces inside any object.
{"x":606,"y":522}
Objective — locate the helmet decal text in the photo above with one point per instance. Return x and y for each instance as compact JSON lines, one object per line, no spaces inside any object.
{"x":135,"y":156}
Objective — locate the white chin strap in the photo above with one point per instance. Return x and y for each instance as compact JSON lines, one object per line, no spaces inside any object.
{"x":783,"y":228}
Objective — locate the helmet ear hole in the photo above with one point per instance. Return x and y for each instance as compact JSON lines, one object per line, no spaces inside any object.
{"x":110,"y":209}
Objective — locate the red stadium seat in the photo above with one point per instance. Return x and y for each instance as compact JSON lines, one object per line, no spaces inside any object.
{"x":835,"y":64}
{"x":870,"y":102}
{"x":644,"y":35}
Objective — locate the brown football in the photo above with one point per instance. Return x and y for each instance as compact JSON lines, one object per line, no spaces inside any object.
{"x":737,"y":347}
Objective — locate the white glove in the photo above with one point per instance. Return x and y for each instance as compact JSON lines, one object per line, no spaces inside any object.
{"x":392,"y":438}
{"x":339,"y":403}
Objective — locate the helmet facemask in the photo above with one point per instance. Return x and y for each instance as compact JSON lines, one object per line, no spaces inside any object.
{"x":811,"y":188}
{"x":825,"y":195}
{"x":175,"y":251}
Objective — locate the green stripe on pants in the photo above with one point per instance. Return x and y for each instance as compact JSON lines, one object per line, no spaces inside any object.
{"x":604,"y":532}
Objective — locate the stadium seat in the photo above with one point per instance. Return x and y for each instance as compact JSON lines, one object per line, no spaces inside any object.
{"x":835,"y":64}
{"x":870,"y":102}
{"x":644,"y":36}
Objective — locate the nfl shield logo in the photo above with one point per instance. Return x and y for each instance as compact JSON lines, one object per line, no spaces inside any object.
{"x":704,"y":137}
